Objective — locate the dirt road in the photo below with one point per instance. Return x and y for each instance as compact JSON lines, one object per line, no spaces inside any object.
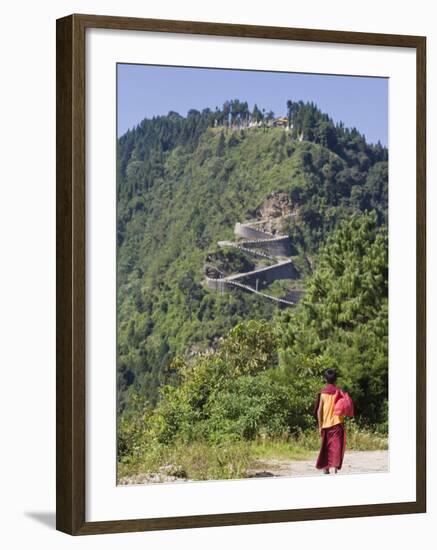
{"x":354,"y":462}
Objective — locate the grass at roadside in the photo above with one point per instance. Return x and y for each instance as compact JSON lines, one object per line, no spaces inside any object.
{"x":232,"y":459}
{"x":197,"y":461}
{"x":357,"y":439}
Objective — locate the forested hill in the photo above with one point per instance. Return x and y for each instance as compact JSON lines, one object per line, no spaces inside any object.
{"x":183,"y":183}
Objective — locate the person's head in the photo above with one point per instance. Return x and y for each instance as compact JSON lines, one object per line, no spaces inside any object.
{"x":330,"y":376}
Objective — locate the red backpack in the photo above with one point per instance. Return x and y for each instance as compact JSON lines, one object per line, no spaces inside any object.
{"x":343,"y":404}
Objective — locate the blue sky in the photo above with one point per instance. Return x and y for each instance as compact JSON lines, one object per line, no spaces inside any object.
{"x":146,"y":90}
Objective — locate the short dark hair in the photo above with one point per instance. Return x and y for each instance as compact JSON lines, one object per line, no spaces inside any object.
{"x":330,"y":376}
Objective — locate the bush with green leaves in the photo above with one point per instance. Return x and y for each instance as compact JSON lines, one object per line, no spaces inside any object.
{"x":208,"y":395}
{"x":235,"y":393}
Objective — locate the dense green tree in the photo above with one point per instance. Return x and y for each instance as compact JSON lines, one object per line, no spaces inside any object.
{"x":257,"y":114}
{"x":220,"y":145}
{"x":343,"y":316}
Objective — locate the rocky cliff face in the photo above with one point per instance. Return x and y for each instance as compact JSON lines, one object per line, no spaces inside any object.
{"x":271,"y":213}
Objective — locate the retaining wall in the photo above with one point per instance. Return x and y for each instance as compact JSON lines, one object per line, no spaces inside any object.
{"x":248,"y":232}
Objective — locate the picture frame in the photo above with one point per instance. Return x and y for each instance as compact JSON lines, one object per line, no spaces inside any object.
{"x":71,"y":258}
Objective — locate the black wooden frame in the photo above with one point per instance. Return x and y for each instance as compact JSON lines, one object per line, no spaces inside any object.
{"x":70,"y":275}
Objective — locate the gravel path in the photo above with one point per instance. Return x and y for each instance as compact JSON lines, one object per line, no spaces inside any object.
{"x":354,"y":462}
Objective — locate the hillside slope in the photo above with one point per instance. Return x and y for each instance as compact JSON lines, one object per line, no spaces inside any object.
{"x":180,"y":191}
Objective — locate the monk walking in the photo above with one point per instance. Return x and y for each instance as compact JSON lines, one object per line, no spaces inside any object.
{"x":331,"y":426}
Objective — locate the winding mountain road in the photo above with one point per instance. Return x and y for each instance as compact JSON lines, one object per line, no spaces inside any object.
{"x":263,"y":244}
